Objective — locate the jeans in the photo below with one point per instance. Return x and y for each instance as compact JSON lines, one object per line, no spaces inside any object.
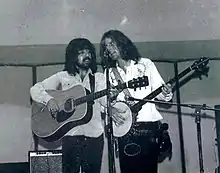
{"x":84,"y":152}
{"x":139,"y":149}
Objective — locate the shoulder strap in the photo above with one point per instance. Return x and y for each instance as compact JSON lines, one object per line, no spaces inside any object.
{"x":92,"y":82}
{"x":119,"y":78}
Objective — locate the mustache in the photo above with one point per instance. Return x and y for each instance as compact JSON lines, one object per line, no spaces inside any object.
{"x":87,"y":58}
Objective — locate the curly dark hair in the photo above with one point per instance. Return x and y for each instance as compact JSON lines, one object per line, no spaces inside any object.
{"x":128,"y":50}
{"x":72,"y":52}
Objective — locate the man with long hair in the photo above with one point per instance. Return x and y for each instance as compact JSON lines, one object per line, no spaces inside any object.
{"x":138,"y":152}
{"x":82,"y":146}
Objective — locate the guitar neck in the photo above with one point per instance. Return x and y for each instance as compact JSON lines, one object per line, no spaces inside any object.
{"x":138,"y":105}
{"x":93,"y":96}
{"x":90,"y":97}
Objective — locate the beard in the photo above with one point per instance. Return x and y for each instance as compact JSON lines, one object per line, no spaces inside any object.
{"x":84,"y":65}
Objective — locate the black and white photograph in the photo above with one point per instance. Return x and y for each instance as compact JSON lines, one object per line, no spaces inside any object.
{"x":110,"y":86}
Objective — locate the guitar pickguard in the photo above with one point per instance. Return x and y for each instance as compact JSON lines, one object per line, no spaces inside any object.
{"x":63,"y":116}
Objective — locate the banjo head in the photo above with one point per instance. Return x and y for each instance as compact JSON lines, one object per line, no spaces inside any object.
{"x":121,"y":130}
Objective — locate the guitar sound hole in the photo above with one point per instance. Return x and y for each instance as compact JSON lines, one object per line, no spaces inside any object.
{"x":68,"y":106}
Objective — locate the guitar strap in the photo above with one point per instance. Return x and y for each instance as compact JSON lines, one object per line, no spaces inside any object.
{"x":119,"y":78}
{"x":92,"y":82}
{"x":92,"y":85}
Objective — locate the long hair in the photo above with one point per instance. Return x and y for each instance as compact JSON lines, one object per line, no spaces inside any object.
{"x":72,"y":52}
{"x":127,"y":49}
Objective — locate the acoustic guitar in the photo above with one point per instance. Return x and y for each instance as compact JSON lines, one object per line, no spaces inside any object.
{"x":75,"y":109}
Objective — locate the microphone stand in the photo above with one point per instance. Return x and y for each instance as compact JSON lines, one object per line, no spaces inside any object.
{"x":110,"y":137}
{"x":197,"y":114}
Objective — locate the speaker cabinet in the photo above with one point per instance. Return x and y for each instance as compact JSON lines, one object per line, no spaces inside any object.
{"x":45,"y":161}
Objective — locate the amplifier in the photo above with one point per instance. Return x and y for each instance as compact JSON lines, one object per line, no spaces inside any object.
{"x":45,"y":161}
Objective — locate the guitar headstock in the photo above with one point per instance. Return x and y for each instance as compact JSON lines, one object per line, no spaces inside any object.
{"x":200,"y":67}
{"x":200,"y":64}
{"x":138,"y":82}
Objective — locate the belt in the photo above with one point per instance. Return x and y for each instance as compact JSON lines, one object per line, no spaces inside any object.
{"x":154,"y":126}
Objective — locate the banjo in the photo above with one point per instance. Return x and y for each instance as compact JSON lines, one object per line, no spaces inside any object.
{"x":131,"y":111}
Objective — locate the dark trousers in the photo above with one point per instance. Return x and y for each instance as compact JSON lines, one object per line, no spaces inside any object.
{"x":139,"y":149}
{"x":84,"y":152}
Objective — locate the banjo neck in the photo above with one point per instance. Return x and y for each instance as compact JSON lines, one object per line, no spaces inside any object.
{"x":198,"y":66}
